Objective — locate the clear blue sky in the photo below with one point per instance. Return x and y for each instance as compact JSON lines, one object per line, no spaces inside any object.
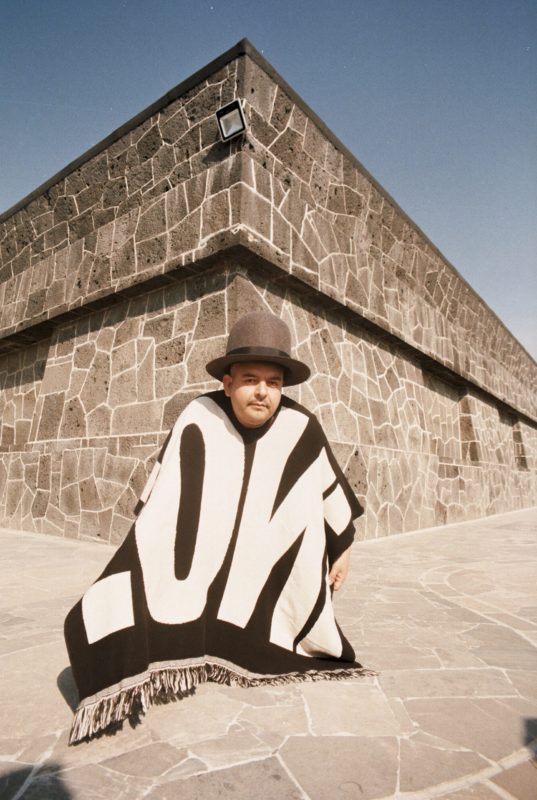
{"x":437,"y":98}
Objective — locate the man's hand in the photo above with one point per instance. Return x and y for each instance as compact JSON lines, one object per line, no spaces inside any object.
{"x":339,"y":570}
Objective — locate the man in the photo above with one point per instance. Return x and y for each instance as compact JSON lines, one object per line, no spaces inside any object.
{"x":246,"y":523}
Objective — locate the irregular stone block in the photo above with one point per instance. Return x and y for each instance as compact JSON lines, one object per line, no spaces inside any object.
{"x":152,"y":222}
{"x":424,"y":766}
{"x":51,"y":414}
{"x":149,"y":144}
{"x":170,"y":353}
{"x":281,"y":110}
{"x":199,"y":355}
{"x":175,"y":127}
{"x":288,"y":148}
{"x":211,"y":317}
{"x":188,"y":145}
{"x":89,"y":496}
{"x":70,"y":500}
{"x":126,"y":331}
{"x":73,"y":420}
{"x":159,"y":328}
{"x":185,"y":236}
{"x":95,"y":389}
{"x":215,"y":214}
{"x":151,"y":252}
{"x":364,"y":765}
{"x":43,"y":473}
{"x":98,"y":421}
{"x":137,"y":418}
{"x":39,"y":506}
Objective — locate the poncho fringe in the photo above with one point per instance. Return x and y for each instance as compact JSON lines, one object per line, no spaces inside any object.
{"x":169,"y":684}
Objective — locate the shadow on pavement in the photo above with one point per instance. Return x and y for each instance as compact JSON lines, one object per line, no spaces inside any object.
{"x":47,"y":784}
{"x":530,"y":735}
{"x":67,"y":686}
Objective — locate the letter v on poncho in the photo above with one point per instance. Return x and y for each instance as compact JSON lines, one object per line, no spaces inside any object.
{"x":224,"y":574}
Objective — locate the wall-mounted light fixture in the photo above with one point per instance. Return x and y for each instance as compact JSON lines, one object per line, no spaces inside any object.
{"x":231,"y":120}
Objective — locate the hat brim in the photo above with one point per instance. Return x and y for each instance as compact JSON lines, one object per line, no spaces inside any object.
{"x":295,"y":371}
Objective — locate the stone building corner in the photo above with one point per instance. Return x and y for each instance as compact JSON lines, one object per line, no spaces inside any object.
{"x":122,"y":275}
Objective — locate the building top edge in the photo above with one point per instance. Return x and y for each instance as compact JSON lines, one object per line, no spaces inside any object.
{"x":241,"y":48}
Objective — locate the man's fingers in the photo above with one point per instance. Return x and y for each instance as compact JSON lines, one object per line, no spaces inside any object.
{"x":335,"y":580}
{"x":338,"y":573}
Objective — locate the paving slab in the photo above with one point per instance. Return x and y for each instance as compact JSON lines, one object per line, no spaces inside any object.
{"x":448,"y":616}
{"x":520,"y":780}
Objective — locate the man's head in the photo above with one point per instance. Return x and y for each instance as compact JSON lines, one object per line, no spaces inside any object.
{"x":255,"y":391}
{"x":260,"y":337}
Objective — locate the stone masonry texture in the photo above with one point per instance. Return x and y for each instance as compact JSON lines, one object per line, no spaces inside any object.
{"x":122,"y":276}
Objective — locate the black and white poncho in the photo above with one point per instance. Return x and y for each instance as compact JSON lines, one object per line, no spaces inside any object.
{"x":224,"y":575}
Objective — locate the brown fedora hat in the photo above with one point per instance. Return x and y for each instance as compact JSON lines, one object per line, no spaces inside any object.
{"x":260,"y":336}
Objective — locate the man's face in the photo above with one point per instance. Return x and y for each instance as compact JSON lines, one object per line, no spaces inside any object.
{"x":255,"y":391}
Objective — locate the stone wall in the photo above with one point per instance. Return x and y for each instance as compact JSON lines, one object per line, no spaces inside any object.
{"x":121,"y":278}
{"x":115,"y":380}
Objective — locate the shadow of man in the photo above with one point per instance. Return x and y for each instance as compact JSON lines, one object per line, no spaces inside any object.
{"x":530,"y":736}
{"x":67,"y":686}
{"x":31,"y":784}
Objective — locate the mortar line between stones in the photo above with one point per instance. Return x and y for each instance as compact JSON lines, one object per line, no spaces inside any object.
{"x":454,"y":599}
{"x":36,"y":768}
{"x":497,"y":767}
{"x":499,"y":791}
{"x":307,"y":713}
{"x":441,"y":789}
{"x":288,"y":772}
{"x":398,"y":775}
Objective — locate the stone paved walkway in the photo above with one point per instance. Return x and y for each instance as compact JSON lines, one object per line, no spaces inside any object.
{"x":447,"y":616}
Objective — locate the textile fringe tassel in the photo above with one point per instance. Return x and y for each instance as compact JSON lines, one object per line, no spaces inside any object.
{"x":176,"y":683}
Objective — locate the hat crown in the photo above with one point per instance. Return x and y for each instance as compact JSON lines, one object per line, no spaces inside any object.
{"x":260,"y":336}
{"x":260,"y":329}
